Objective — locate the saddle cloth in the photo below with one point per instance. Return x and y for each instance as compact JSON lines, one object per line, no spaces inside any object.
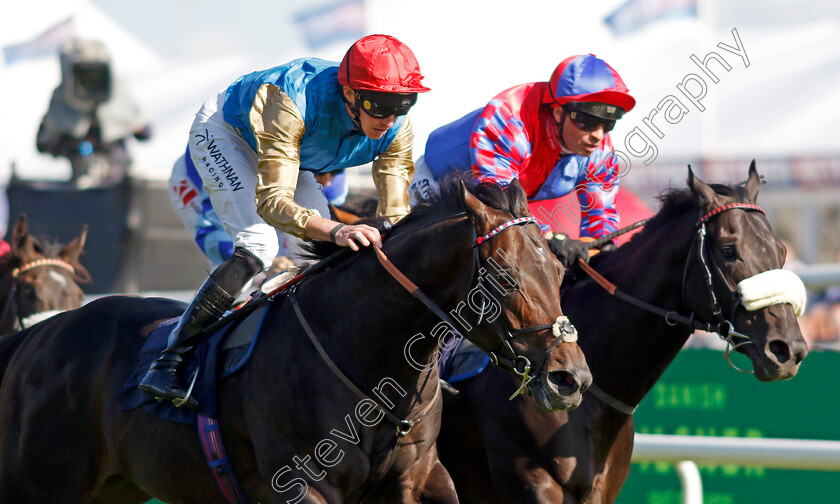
{"x":218,"y":356}
{"x":462,"y":361}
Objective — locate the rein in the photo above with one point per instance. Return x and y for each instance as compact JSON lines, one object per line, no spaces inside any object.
{"x":600,"y":242}
{"x":403,"y":426}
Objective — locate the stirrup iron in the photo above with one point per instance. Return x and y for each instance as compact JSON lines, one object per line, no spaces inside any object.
{"x":179,"y":402}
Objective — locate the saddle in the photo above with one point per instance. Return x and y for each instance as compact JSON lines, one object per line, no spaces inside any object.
{"x":218,"y":356}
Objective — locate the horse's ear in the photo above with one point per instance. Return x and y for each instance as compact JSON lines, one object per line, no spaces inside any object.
{"x":472,"y":204}
{"x":703,"y":192}
{"x":521,"y":197}
{"x":72,"y":250}
{"x":753,"y":183}
{"x":21,"y":241}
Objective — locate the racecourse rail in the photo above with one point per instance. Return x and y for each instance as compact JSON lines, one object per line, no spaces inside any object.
{"x":686,"y":451}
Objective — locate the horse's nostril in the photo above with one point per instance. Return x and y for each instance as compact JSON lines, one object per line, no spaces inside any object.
{"x":780,"y":350}
{"x":564,"y":381}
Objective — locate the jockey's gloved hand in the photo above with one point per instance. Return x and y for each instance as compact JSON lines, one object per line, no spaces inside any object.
{"x":568,"y":250}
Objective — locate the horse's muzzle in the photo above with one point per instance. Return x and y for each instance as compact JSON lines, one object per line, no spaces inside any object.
{"x":560,"y":390}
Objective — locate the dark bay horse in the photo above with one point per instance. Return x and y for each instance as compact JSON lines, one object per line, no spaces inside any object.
{"x":509,"y":452}
{"x":38,"y":278}
{"x":293,"y":431}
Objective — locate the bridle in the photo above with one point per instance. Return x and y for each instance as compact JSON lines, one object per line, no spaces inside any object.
{"x":723,"y":327}
{"x":23,"y":268}
{"x":46,"y":261}
{"x":505,"y":357}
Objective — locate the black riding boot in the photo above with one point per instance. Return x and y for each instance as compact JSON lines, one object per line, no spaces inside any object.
{"x":216,"y":296}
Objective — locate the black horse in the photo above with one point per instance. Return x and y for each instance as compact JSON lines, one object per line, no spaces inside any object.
{"x":509,"y":452}
{"x":294,"y":432}
{"x":38,"y":278}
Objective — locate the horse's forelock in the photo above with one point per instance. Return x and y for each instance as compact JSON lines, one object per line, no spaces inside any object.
{"x":46,"y":246}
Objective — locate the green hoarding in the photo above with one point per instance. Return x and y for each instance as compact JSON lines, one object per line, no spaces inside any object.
{"x":701,"y":395}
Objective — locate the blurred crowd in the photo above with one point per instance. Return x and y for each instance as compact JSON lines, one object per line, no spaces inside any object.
{"x":821,"y":322}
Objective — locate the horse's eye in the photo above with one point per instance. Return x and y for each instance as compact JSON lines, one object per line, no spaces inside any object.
{"x":730,"y":253}
{"x":505,"y":280}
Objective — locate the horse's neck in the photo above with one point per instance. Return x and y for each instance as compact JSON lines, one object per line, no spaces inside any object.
{"x":377,"y":327}
{"x":628,"y":348}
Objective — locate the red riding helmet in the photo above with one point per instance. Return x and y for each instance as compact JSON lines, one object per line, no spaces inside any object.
{"x":381,"y":63}
{"x":586,"y":78}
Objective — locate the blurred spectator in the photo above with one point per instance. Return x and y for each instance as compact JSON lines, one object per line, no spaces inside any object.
{"x":90,"y":116}
{"x":820,"y":325}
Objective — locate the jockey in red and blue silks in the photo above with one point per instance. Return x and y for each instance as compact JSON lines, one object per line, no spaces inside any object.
{"x":551,"y":136}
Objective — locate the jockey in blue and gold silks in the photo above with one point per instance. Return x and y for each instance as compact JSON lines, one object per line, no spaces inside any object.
{"x":258,"y":146}
{"x":551,"y":136}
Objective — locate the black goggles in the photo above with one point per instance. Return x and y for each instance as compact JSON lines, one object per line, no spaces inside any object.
{"x":382,"y":105}
{"x":588,"y":122}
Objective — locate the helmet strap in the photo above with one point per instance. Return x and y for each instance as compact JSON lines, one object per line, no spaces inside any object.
{"x":560,"y":127}
{"x":355,"y":110}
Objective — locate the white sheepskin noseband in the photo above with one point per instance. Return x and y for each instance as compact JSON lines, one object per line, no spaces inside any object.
{"x":773,"y":287}
{"x":564,"y":329}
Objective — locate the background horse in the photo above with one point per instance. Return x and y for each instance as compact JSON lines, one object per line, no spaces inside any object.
{"x":509,"y":452}
{"x":38,"y":278}
{"x":67,"y":438}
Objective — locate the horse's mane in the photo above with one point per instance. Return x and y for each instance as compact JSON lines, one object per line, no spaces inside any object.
{"x":675,"y":201}
{"x":449,"y":201}
{"x":446,"y":202}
